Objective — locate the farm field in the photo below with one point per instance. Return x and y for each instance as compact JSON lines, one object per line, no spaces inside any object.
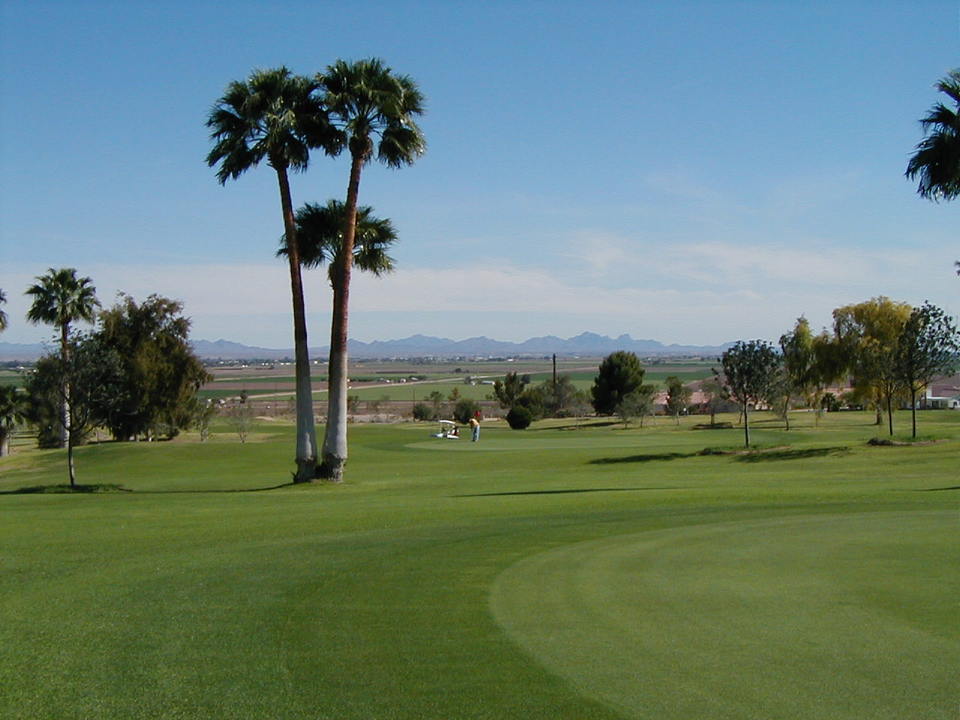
{"x":395,"y":381}
{"x":563,"y":571}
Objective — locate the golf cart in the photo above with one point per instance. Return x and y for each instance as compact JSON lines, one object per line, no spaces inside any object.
{"x":448,"y":430}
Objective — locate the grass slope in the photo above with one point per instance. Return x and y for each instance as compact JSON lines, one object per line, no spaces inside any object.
{"x":550,"y":573}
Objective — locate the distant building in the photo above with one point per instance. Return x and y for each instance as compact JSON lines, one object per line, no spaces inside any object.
{"x":942,"y":394}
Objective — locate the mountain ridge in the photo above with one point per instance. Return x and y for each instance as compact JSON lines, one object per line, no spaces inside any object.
{"x":418,"y":345}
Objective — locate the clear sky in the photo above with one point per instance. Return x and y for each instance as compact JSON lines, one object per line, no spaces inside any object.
{"x":692,"y":172}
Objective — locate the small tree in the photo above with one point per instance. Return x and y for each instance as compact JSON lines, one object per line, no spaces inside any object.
{"x":435,"y":399}
{"x":635,"y":404}
{"x":241,"y":418}
{"x":678,"y":397}
{"x":619,"y":374}
{"x":927,"y":347}
{"x":749,"y":367}
{"x":205,"y":411}
{"x":422,"y":411}
{"x":716,"y":396}
{"x":781,"y":394}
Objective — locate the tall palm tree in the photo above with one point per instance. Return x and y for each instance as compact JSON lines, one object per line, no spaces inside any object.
{"x":59,"y":299}
{"x":3,"y":315}
{"x":937,"y":159}
{"x":374,"y":111}
{"x":278,"y":117}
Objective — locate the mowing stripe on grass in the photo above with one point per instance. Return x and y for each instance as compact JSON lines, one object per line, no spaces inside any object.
{"x":839,"y":616}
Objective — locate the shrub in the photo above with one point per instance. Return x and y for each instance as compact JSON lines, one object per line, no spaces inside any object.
{"x":519,"y":418}
{"x":422,"y":411}
{"x":464,"y":410}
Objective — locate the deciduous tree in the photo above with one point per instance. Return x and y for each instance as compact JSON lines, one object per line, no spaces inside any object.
{"x":749,"y":368}
{"x":928,"y":346}
{"x":160,"y":371}
{"x":868,"y":334}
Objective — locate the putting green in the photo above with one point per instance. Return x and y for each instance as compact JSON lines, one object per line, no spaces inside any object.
{"x":838,"y":616}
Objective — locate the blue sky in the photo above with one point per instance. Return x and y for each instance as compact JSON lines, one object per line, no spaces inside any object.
{"x":692,"y":172}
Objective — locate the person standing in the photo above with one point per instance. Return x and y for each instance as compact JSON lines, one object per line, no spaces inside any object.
{"x":474,"y":428}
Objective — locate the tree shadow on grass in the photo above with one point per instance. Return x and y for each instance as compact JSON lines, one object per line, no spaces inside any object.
{"x":940,"y":489}
{"x":647,"y":457}
{"x":561,"y":492}
{"x":791,"y":454}
{"x":107,"y":489}
{"x":65,"y":489}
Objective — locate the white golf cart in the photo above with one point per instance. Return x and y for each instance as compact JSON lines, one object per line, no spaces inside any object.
{"x":448,"y":430}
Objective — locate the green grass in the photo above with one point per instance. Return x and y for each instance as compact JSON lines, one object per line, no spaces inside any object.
{"x":552,"y":573}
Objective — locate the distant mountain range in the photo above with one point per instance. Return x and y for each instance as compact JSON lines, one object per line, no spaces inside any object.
{"x":587,"y":344}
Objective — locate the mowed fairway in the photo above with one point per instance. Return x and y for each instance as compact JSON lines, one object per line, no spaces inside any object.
{"x":557,"y":572}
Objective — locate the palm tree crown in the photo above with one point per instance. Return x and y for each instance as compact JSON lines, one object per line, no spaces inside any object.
{"x":60,"y":298}
{"x":937,"y":160}
{"x":365,"y":100}
{"x":320,"y":239}
{"x":274,"y":115}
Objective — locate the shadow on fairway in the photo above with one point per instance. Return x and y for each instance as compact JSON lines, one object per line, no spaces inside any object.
{"x":952,"y":487}
{"x":108,"y":489}
{"x":801,"y":454}
{"x":649,"y":457}
{"x":561,"y":492}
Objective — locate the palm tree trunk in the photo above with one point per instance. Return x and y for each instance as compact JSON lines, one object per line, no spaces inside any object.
{"x":66,"y":431}
{"x":306,"y":430}
{"x":335,"y":436}
{"x":65,"y":386}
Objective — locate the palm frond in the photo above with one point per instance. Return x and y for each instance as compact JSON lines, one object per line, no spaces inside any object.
{"x":936,"y":163}
{"x":320,"y":239}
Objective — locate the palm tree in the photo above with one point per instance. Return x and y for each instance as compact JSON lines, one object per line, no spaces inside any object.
{"x":59,"y":299}
{"x":3,"y":315}
{"x":12,"y":408}
{"x":937,"y":159}
{"x":320,"y":240}
{"x":374,"y":111}
{"x":278,"y":117}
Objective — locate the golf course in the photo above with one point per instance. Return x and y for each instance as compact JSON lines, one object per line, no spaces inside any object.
{"x":578,"y":570}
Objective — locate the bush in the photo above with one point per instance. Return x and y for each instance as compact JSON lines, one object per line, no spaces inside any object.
{"x":422,"y":411}
{"x":464,"y":410}
{"x":519,"y":418}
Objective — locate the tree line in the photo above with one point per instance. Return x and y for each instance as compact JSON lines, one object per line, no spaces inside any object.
{"x":887,"y":352}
